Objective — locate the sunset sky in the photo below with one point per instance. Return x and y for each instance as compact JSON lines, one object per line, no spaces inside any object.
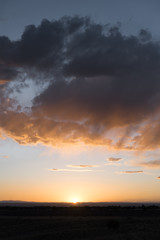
{"x":80,"y":100}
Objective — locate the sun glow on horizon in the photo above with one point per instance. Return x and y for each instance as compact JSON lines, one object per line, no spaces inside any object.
{"x":74,"y":200}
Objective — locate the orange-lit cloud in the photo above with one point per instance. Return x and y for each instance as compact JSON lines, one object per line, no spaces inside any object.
{"x":69,"y":170}
{"x":151,"y":164}
{"x":2,"y":82}
{"x":4,"y":156}
{"x":83,"y":166}
{"x":140,"y":171}
{"x":113,"y":159}
{"x":149,"y":135}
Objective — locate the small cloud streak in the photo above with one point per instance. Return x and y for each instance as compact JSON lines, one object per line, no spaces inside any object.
{"x":140,"y":171}
{"x":4,"y":156}
{"x":158,"y":177}
{"x":113,"y":164}
{"x":112,"y":159}
{"x":151,"y":164}
{"x":69,"y":170}
{"x":82,"y":166}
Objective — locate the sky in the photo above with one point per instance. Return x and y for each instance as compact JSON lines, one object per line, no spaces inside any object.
{"x":79,"y":100}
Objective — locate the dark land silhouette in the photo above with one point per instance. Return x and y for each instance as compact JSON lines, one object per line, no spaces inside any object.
{"x":80,"y":222}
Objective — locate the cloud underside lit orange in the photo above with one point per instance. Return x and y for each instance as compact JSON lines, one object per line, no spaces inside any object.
{"x":104,"y":92}
{"x":36,"y":128}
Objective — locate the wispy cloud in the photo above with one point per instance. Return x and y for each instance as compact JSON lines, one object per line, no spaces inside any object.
{"x":151,"y":164}
{"x":4,"y":156}
{"x":128,"y":172}
{"x":113,"y":164}
{"x":113,"y":159}
{"x":69,"y":170}
{"x":83,"y":166}
{"x":158,"y":177}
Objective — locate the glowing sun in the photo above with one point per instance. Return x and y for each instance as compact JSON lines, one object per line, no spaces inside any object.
{"x":74,"y":200}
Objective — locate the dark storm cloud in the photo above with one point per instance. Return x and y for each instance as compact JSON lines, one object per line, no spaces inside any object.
{"x":40,"y":47}
{"x":115,"y":79}
{"x":99,"y":80}
{"x":96,"y":53}
{"x":7,"y":73}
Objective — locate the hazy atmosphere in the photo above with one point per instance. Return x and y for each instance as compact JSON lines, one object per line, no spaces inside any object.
{"x":79,"y":100}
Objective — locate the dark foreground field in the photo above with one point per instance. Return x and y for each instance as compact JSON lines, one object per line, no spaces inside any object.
{"x":79,"y":223}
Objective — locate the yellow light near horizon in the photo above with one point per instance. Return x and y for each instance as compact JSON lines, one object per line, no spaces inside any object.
{"x":74,"y":200}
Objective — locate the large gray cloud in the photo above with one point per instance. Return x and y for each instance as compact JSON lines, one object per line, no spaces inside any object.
{"x":39,"y":47}
{"x":99,"y":79}
{"x":112,"y":75}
